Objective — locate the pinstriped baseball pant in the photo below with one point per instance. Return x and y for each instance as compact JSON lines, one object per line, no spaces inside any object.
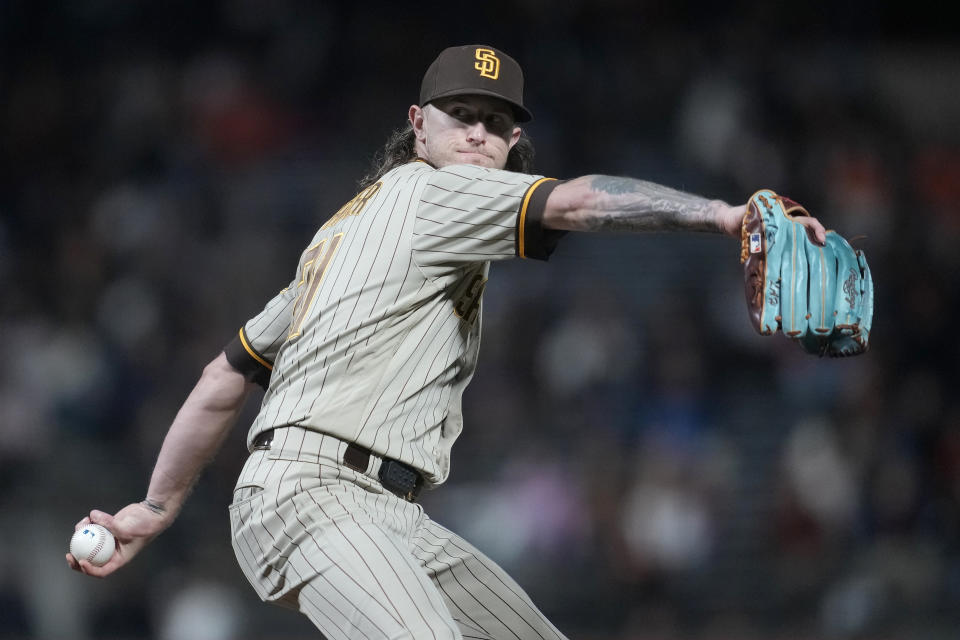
{"x":359,"y":562}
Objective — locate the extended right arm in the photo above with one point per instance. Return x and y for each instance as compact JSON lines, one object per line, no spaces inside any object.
{"x":194,"y":437}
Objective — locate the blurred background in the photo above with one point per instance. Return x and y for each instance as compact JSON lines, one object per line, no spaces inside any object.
{"x":634,"y":454}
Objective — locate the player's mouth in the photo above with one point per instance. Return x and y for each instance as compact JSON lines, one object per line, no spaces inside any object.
{"x":477,"y":155}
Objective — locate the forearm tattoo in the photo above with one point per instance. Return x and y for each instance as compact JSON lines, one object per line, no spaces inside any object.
{"x":156,"y":507}
{"x":627,"y":204}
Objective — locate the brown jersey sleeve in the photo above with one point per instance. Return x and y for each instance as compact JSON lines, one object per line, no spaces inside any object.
{"x":533,"y":240}
{"x":245,"y":359}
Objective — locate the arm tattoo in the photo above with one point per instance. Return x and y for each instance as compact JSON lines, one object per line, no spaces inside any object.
{"x":626,"y":204}
{"x":156,"y":507}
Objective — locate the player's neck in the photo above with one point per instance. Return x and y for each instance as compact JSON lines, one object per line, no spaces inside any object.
{"x":424,"y":160}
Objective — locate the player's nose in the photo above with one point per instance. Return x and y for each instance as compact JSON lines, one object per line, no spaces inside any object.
{"x":477,"y":132}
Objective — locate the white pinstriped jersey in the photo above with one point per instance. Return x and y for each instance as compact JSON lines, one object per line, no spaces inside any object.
{"x":377,"y":336}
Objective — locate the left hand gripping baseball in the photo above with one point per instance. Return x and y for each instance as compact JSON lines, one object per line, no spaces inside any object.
{"x":133,"y":527}
{"x":820,"y":295}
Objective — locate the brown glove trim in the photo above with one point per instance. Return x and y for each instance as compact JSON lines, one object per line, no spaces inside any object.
{"x":754,"y":264}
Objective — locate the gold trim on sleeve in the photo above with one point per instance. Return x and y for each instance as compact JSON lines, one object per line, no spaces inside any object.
{"x":253,"y":354}
{"x":521,"y":232}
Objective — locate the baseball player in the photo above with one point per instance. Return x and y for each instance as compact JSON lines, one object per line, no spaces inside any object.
{"x":364,"y":357}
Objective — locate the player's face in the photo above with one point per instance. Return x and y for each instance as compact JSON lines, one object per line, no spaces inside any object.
{"x":476,"y":130}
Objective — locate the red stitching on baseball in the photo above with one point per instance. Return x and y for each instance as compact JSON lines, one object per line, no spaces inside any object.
{"x":97,"y":547}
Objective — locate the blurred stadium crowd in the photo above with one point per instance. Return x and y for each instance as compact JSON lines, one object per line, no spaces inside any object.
{"x":634,"y":454}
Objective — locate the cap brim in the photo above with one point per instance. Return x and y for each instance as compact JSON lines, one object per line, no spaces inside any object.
{"x":521,"y":113}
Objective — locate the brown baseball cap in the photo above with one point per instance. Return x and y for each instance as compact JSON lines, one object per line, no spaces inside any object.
{"x":475,"y":69}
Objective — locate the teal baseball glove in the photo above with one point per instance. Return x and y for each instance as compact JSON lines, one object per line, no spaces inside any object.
{"x":821,"y":297}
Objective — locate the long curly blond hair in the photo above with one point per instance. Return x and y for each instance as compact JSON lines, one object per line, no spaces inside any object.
{"x":399,"y":149}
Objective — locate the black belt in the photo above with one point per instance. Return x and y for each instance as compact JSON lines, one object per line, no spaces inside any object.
{"x":399,"y":478}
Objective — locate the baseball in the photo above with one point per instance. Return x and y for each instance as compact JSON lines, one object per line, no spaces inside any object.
{"x":93,"y":543}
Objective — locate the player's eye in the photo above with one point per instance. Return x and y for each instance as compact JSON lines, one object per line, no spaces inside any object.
{"x":460,"y":113}
{"x":497,"y":123}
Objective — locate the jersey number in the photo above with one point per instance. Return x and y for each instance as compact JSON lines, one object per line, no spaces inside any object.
{"x":316,"y":261}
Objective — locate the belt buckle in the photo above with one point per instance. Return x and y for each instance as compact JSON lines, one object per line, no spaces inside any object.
{"x":400,"y":479}
{"x":263,"y":441}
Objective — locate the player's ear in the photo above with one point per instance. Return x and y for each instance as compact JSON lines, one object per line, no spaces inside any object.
{"x":415,"y":115}
{"x":515,"y":136}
